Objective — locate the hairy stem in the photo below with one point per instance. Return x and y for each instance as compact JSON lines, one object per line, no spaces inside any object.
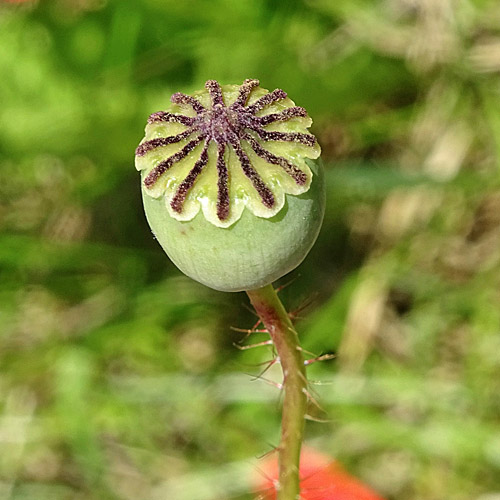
{"x":285,"y":339}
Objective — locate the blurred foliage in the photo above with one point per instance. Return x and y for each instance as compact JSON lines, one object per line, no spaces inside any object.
{"x":119,"y":377}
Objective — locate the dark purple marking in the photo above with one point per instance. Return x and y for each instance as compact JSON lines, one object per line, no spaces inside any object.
{"x":163,"y":166}
{"x":265,"y":193}
{"x":158,"y":142}
{"x":222,"y":184}
{"x":227,"y":126}
{"x":284,"y":115}
{"x":306,"y":139}
{"x":180,"y":196}
{"x":215,"y":92}
{"x":298,"y":176}
{"x":245,"y":91}
{"x":265,"y":100}
{"x":180,"y":98}
{"x":164,"y":116}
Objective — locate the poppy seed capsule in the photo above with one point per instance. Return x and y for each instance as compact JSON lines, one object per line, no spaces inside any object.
{"x":229,"y":186}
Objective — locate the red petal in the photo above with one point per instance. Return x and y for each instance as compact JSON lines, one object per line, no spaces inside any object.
{"x":321,"y":479}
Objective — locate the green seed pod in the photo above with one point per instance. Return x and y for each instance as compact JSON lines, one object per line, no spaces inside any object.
{"x":229,"y":186}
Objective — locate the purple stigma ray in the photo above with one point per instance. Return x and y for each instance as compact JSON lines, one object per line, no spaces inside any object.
{"x":222,"y":184}
{"x":184,"y":187}
{"x":298,"y":176}
{"x":245,"y":91}
{"x":305,"y":139}
{"x":226,"y":126}
{"x":265,"y":100}
{"x":163,"y":166}
{"x":158,"y":142}
{"x":265,"y":193}
{"x":180,"y":98}
{"x":284,"y":115}
{"x":215,"y":92}
{"x":165,"y":117}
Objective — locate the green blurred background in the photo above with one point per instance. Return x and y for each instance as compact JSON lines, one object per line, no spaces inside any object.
{"x":119,"y":378}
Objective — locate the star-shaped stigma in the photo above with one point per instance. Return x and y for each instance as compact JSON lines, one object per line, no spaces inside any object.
{"x":233,"y":135}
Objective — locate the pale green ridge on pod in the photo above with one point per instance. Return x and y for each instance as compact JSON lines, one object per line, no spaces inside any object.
{"x":251,"y":253}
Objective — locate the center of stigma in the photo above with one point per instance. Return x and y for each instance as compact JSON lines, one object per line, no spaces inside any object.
{"x":220,"y":124}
